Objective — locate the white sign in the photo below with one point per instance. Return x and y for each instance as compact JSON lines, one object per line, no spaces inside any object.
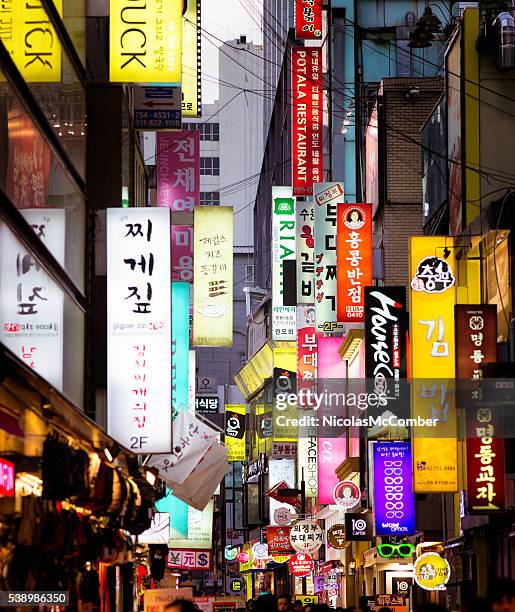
{"x":259,"y":551}
{"x":283,"y":516}
{"x":191,"y":381}
{"x":306,"y":536}
{"x":308,"y":458}
{"x":159,"y":531}
{"x":304,"y":223}
{"x":139,"y":329}
{"x":156,"y":600}
{"x":206,"y":384}
{"x":280,"y":470}
{"x":157,"y":107}
{"x":200,"y":529}
{"x":283,"y":249}
{"x":31,"y":303}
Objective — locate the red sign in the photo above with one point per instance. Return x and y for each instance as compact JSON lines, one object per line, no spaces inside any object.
{"x":178,"y":170}
{"x":187,"y":558}
{"x":354,"y":260}
{"x":307,"y":156}
{"x":182,"y":253}
{"x":278,"y":539}
{"x":301,"y":564}
{"x":291,"y":500}
{"x":476,"y":338}
{"x":308,"y":19}
{"x":6,"y":478}
{"x":485,"y":462}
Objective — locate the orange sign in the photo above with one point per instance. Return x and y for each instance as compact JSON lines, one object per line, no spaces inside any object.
{"x":354,"y":260}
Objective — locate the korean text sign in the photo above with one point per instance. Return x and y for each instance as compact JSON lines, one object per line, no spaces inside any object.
{"x":354,"y":258}
{"x":191,"y":60}
{"x":476,"y":338}
{"x":235,"y":431}
{"x":182,"y":253}
{"x":145,"y":41}
{"x":307,"y":93}
{"x":308,"y":19}
{"x":306,"y":348}
{"x":326,"y":200}
{"x":394,"y":501}
{"x":213,"y":276}
{"x":180,"y":346}
{"x":178,"y":170}
{"x":305,"y":247}
{"x":139,"y":413}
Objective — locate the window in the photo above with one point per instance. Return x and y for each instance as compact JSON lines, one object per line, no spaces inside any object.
{"x":249,"y":275}
{"x":207,"y":131}
{"x":210,"y":198}
{"x":210,"y":166}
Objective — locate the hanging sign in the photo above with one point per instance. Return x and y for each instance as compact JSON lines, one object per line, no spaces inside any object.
{"x":235,"y":431}
{"x":306,"y":351}
{"x":259,"y":551}
{"x":145,"y":41}
{"x":301,"y":565}
{"x":354,"y":258}
{"x":431,"y":572}
{"x":306,"y":536}
{"x":308,"y":19}
{"x":282,"y":516}
{"x":358,"y":527}
{"x":327,"y":197}
{"x":476,"y":338}
{"x":307,"y":90}
{"x":336,"y":537}
{"x":6,"y":478}
{"x":180,"y":347}
{"x":278,"y":539}
{"x":304,"y":223}
{"x":346,"y":494}
{"x":182,"y":253}
{"x":191,"y":559}
{"x":139,"y":356}
{"x":191,"y":59}
{"x":157,"y":108}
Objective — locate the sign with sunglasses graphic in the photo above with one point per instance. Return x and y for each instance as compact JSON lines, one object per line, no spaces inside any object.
{"x":393,"y":489}
{"x":388,"y":551}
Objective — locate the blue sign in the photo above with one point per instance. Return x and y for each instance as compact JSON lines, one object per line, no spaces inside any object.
{"x":394,"y":501}
{"x":157,"y":108}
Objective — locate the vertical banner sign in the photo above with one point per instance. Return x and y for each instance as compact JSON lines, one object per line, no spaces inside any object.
{"x":31,"y":304}
{"x":182,"y":253}
{"x":354,"y":259}
{"x":307,"y":150}
{"x":180,"y":347}
{"x":283,"y":250}
{"x":235,"y":431}
{"x":139,"y":355}
{"x":192,"y":378}
{"x":327,"y":198}
{"x":307,"y":456}
{"x":476,"y":338}
{"x":31,"y":40}
{"x":485,"y":461}
{"x":385,"y":340}
{"x":304,"y":221}
{"x":178,"y":170}
{"x":308,"y":19}
{"x":306,"y":351}
{"x":432,"y":300}
{"x":394,"y":501}
{"x":145,"y":41}
{"x":191,"y":59}
{"x":213,"y":276}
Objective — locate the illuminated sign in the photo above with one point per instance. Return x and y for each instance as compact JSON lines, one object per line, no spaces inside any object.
{"x":336,"y":537}
{"x":235,"y":431}
{"x":200,"y":529}
{"x":191,"y":559}
{"x":476,"y":338}
{"x":304,"y":223}
{"x":307,"y":90}
{"x":306,"y":536}
{"x":358,"y":527}
{"x":346,"y":494}
{"x":213,"y":276}
{"x":307,"y":458}
{"x":431,"y":572}
{"x":191,"y":59}
{"x":182,"y":253}
{"x":31,"y":40}
{"x":139,"y":414}
{"x":6,"y":478}
{"x":145,"y":41}
{"x":394,"y":502}
{"x":308,"y":19}
{"x":180,"y":346}
{"x":301,"y":564}
{"x":278,"y":539}
{"x":281,"y":475}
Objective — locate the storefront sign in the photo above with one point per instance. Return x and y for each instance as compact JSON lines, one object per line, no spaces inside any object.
{"x":358,"y":527}
{"x":306,"y":348}
{"x":307,"y":459}
{"x":178,"y":170}
{"x":235,"y":431}
{"x":432,"y":300}
{"x":346,"y":494}
{"x":191,"y":59}
{"x":283,"y":516}
{"x":329,"y":362}
{"x":385,"y":338}
{"x":259,"y":550}
{"x":281,"y":475}
{"x":156,"y":600}
{"x":230,"y":553}
{"x":354,"y":257}
{"x":394,"y":502}
{"x":476,"y":338}
{"x":395,"y":603}
{"x":145,"y":41}
{"x":31,"y":40}
{"x":284,"y":383}
{"x":331,"y":452}
{"x":336,"y":537}
{"x":31,"y":303}
{"x":327,"y":198}
{"x":157,"y":108}
{"x":180,"y":347}
{"x":307,"y":93}
{"x":182,"y":253}
{"x":304,"y":222}
{"x":485,"y":462}
{"x":308,"y":19}
{"x":236,"y":585}
{"x":431,"y":572}
{"x":284,"y":450}
{"x":139,"y":355}
{"x":6,"y":478}
{"x":306,"y":536}
{"x":200,"y":529}
{"x":243,"y":557}
{"x":213,"y":276}
{"x":207,"y":404}
{"x":184,"y":558}
{"x":301,"y":565}
{"x":283,"y":275}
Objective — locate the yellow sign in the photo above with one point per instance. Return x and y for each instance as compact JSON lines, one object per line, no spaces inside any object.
{"x":31,"y":39}
{"x":235,"y":432}
{"x":145,"y":41}
{"x":212,"y":276}
{"x":191,"y":44}
{"x":431,"y":572}
{"x":307,"y":600}
{"x":433,"y":283}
